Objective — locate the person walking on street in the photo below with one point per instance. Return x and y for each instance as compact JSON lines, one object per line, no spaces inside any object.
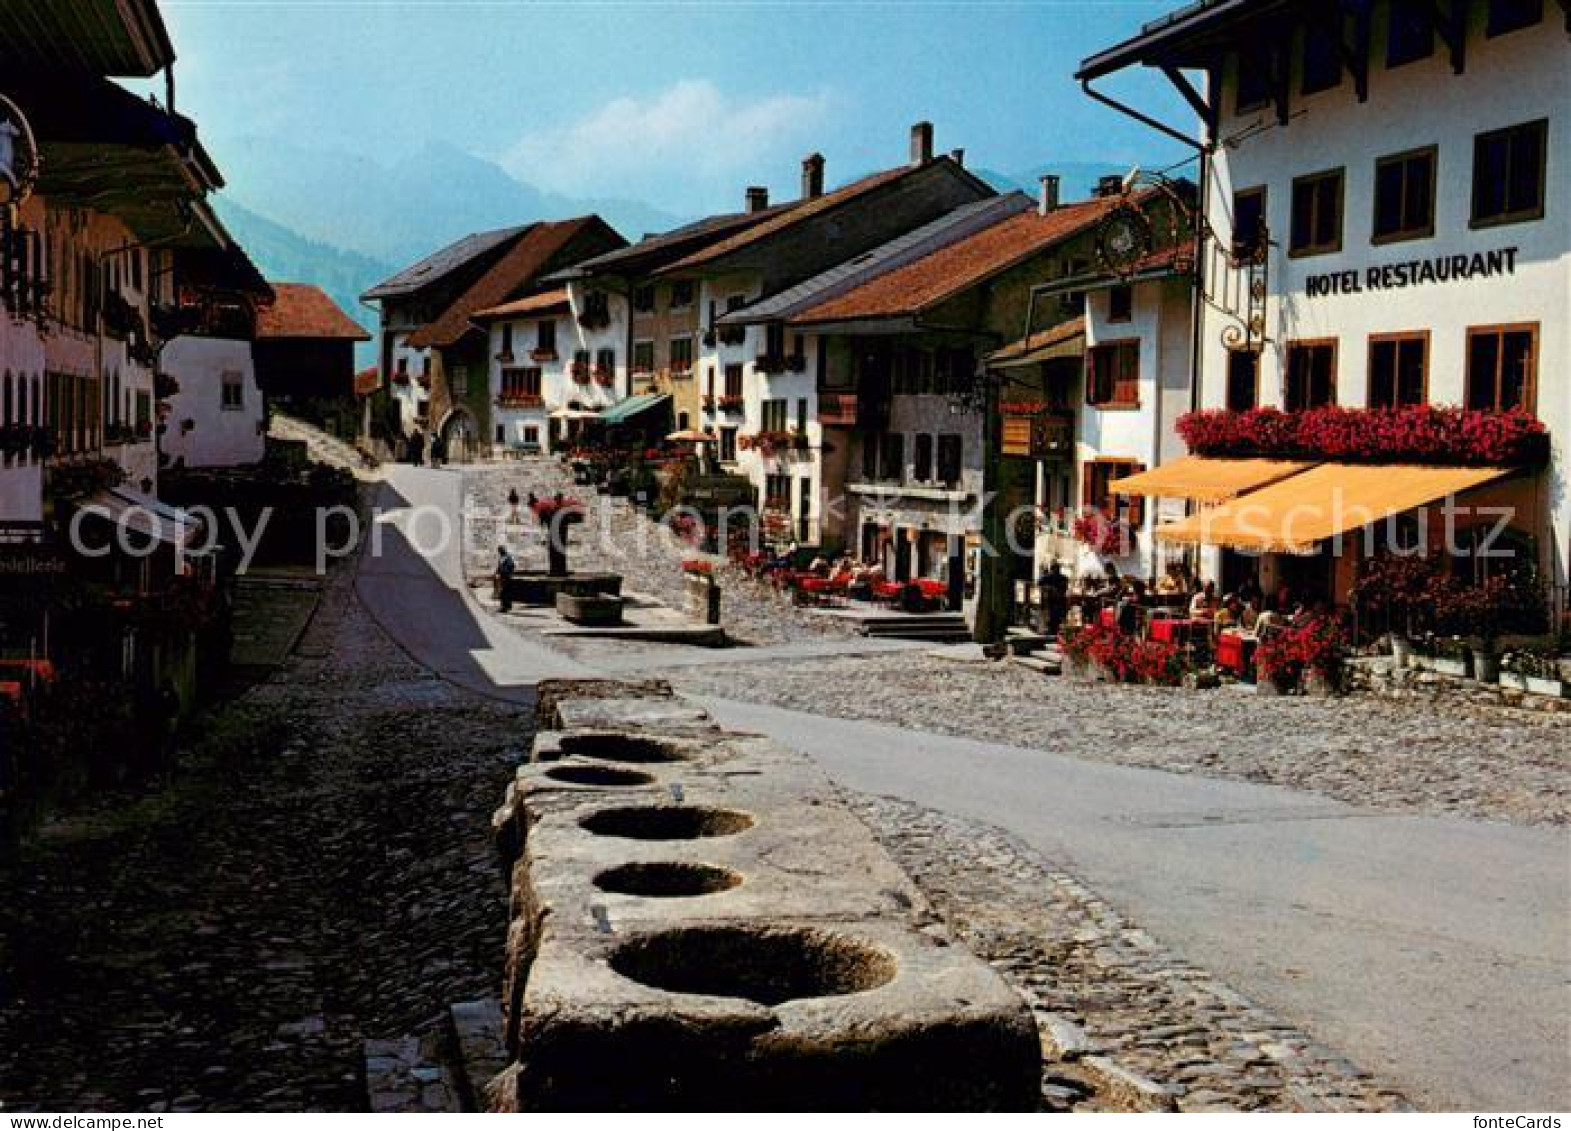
{"x":513,"y":516}
{"x":1053,"y":592}
{"x":505,"y":568}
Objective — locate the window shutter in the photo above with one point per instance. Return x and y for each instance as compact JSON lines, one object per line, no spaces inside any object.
{"x":1136,"y":511}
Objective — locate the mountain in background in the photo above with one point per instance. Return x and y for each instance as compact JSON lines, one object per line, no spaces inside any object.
{"x":346,"y":222}
{"x":401,"y":210}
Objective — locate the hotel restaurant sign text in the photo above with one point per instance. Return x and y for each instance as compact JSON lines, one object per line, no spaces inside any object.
{"x":1414,"y":273}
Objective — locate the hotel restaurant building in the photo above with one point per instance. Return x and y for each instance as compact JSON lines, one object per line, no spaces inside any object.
{"x":1386,"y":188}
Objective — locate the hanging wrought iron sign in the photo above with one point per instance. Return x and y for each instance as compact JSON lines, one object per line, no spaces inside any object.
{"x":18,"y":155}
{"x":1123,"y":240}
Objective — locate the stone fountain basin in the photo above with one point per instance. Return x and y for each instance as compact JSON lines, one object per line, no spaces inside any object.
{"x":933,"y":1029}
{"x":538,"y":588}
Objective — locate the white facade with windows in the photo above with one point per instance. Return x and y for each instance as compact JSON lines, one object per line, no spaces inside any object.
{"x":218,"y":417}
{"x":1420,"y":241}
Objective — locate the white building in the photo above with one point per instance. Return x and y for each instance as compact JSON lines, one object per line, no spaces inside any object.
{"x":1402,"y":176}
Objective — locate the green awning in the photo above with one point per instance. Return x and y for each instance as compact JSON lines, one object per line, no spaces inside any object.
{"x":623,"y":411}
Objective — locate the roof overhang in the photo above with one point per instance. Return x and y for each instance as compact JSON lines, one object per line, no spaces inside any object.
{"x":103,"y":148}
{"x":96,"y":37}
{"x":1191,"y":37}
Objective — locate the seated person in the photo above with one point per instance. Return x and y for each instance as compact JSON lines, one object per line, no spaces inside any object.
{"x":1248,"y":616}
{"x":1203,"y":605}
{"x":819,"y":566}
{"x":1228,"y":615}
{"x":1170,"y":583}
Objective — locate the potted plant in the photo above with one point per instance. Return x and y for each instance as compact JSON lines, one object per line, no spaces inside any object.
{"x":1540,"y":672}
{"x":1451,"y":657}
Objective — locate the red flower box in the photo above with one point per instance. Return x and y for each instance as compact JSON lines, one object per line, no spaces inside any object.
{"x":1425,"y":434}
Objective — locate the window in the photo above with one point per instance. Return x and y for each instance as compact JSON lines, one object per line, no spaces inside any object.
{"x":1508,"y":174}
{"x":545,"y":336}
{"x":605,"y":361}
{"x":922,"y":458}
{"x":501,"y":434}
{"x":801,"y":415}
{"x":1252,"y":78}
{"x":869,"y":458}
{"x":773,"y":415}
{"x":1322,"y":55}
{"x":733,"y":380}
{"x":1410,"y":34}
{"x":460,"y":381}
{"x":950,"y":449}
{"x":735,"y":302}
{"x":1317,"y":214}
{"x":728,"y":445}
{"x":1311,"y":375}
{"x":1405,"y":196}
{"x":774,"y":340}
{"x":644,"y":356}
{"x":523,"y":382}
{"x":892,"y":455}
{"x":1097,"y":495}
{"x":681,"y":355}
{"x":531,"y":433}
{"x":1121,"y":304}
{"x":425,"y":365}
{"x":644,"y":299}
{"x":403,"y":367}
{"x":1243,"y":380}
{"x":1512,"y":15}
{"x":681,"y":294}
{"x":1249,"y":222}
{"x":777,"y":491}
{"x":1501,"y":367}
{"x":507,"y":339}
{"x":1398,"y":370}
{"x":1113,"y":375}
{"x":233,"y":398}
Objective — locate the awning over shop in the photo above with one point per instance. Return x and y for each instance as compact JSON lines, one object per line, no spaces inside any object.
{"x":1207,"y":480}
{"x":145,"y":516}
{"x":1295,"y":514}
{"x":623,"y":411}
{"x":574,"y":414}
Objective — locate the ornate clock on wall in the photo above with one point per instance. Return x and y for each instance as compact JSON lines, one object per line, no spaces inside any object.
{"x":18,"y":154}
{"x":1123,"y":239}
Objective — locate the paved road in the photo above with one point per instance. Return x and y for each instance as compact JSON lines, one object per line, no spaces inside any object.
{"x":1433,"y":950}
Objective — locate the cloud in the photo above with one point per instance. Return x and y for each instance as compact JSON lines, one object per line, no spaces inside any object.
{"x":687,"y":143}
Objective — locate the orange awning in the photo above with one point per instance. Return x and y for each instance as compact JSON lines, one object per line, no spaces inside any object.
{"x":1294,"y":515}
{"x":1207,"y":480}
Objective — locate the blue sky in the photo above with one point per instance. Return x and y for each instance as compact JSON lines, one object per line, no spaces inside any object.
{"x":677,"y":104}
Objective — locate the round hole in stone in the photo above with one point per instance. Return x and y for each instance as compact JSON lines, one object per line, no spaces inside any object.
{"x":619,"y":748}
{"x":760,"y":964}
{"x":598,"y":775}
{"x":666,"y":822}
{"x":667,"y":879}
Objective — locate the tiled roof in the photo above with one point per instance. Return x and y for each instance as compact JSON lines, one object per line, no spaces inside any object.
{"x":302,"y":310}
{"x":790,"y":217}
{"x":367,"y":381}
{"x":520,"y":265}
{"x":654,"y":252}
{"x":437,"y":266}
{"x":960,"y":266}
{"x":949,"y":228}
{"x":533,"y":304}
{"x":1065,"y":331}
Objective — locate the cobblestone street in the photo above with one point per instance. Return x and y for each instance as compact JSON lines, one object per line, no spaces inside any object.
{"x":319,"y":872}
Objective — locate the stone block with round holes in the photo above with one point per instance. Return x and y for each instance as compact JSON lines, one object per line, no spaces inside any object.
{"x":698,"y":922}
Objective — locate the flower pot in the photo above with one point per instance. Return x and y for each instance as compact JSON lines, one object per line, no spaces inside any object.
{"x":1265,"y":685}
{"x":1486,"y":665}
{"x":1514,"y":681}
{"x":1455,"y":666}
{"x":1075,"y":668}
{"x":1318,"y":684}
{"x":1401,"y":651}
{"x":1554,"y":688}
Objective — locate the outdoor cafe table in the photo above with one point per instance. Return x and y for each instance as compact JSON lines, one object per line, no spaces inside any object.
{"x":1174,"y":630}
{"x":1234,"y":651}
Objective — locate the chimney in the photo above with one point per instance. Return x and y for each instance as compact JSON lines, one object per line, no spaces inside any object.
{"x":1110,"y":185}
{"x":812,"y":176}
{"x":958,"y":156}
{"x":1047,"y":195}
{"x":757,"y":198}
{"x":921,"y":143}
